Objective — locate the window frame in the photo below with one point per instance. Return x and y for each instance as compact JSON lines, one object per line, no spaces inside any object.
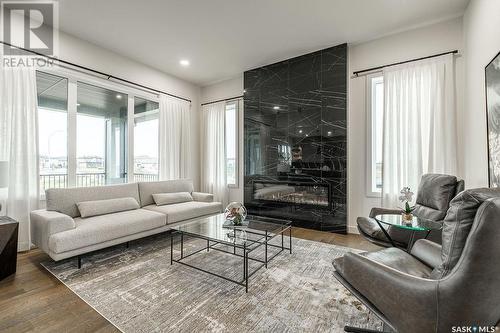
{"x":236,"y":103}
{"x":73,"y":77}
{"x":370,"y":135}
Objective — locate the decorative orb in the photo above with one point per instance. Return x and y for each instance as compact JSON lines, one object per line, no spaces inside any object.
{"x":235,"y":210}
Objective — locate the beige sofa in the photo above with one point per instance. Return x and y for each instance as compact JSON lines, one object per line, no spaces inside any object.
{"x":114,"y":214}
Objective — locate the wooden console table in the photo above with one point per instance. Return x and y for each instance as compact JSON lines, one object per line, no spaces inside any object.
{"x":8,"y":246}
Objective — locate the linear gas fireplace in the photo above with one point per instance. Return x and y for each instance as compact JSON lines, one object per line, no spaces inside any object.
{"x":296,"y":193}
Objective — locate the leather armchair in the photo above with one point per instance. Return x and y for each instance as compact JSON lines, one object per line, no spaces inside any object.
{"x":435,"y":192}
{"x":435,"y":287}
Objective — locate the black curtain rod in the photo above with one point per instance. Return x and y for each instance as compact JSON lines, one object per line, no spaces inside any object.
{"x":356,"y":73}
{"x":222,"y":100}
{"x":108,"y":76}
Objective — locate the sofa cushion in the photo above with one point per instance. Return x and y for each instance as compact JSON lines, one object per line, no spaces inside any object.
{"x":457,"y":225}
{"x":186,"y":210}
{"x":147,"y":189}
{"x":171,"y":198}
{"x":205,"y":197}
{"x":98,"y":229}
{"x":109,"y":206}
{"x":64,"y":200}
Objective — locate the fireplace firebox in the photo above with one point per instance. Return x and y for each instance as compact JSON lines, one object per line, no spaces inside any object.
{"x":296,"y":193}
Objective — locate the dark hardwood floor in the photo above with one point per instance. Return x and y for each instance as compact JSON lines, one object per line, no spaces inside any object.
{"x":33,"y":300}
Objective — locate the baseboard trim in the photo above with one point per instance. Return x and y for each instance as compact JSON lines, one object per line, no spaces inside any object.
{"x":352,"y":230}
{"x":23,"y":246}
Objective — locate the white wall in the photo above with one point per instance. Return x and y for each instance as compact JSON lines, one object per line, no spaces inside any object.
{"x":434,"y":39}
{"x":86,"y":54}
{"x":222,"y":90}
{"x":482,"y":43}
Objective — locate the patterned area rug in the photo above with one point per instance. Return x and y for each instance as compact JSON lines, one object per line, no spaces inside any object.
{"x":138,"y":290}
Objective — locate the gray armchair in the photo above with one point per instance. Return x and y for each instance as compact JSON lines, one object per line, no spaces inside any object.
{"x":435,"y":287}
{"x":435,"y":192}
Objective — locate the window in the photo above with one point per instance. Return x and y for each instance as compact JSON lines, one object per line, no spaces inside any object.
{"x":146,"y":148}
{"x":101,"y":125}
{"x":52,"y":92}
{"x":84,"y":131}
{"x":231,"y":143}
{"x":375,"y":119}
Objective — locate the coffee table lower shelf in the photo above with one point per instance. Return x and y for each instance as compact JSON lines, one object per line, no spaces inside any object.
{"x":212,"y":245}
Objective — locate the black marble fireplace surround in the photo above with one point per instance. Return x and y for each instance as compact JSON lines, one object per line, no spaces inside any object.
{"x":295,"y":140}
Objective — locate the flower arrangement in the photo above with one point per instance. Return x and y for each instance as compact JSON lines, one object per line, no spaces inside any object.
{"x":235,"y":216}
{"x":406,"y":197}
{"x":236,"y":213}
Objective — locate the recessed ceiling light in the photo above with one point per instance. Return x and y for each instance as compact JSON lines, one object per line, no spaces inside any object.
{"x":300,"y":131}
{"x":119,"y":96}
{"x":184,"y":62}
{"x":307,"y":134}
{"x":276,"y":107}
{"x":329,"y":133}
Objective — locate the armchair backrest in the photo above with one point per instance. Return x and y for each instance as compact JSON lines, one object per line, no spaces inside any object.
{"x":470,"y":293}
{"x":457,"y":226}
{"x":435,"y":193}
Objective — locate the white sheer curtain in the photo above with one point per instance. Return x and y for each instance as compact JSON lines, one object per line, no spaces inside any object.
{"x":175,"y":138}
{"x":19,"y":145}
{"x":420,"y":126}
{"x":213,"y":151}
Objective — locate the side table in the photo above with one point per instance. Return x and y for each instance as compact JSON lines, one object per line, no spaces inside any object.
{"x":416,"y":225}
{"x":8,"y":246}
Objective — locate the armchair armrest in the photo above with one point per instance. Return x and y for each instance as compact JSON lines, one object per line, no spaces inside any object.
{"x":379,"y":211}
{"x":428,"y":252}
{"x":45,"y":223}
{"x":390,"y":290}
{"x":203,"y":197}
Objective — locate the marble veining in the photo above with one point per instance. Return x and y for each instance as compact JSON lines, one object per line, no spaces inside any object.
{"x":295,"y":139}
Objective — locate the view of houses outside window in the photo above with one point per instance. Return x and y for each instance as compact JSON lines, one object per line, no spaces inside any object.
{"x":53,"y":130}
{"x":146,"y":136}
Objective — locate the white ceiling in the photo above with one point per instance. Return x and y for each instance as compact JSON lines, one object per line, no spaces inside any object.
{"x":223,"y":38}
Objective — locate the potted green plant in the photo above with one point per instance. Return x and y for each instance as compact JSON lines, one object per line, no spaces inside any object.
{"x":406,"y":197}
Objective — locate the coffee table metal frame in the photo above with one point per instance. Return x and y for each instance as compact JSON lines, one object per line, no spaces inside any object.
{"x":255,"y":244}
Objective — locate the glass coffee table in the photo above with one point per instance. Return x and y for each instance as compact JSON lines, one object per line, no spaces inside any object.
{"x":242,"y":241}
{"x":416,"y":225}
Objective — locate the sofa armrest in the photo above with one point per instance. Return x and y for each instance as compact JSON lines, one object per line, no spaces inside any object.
{"x":45,"y":223}
{"x":379,"y":211}
{"x":390,"y":290}
{"x":203,"y":197}
{"x":428,"y":252}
